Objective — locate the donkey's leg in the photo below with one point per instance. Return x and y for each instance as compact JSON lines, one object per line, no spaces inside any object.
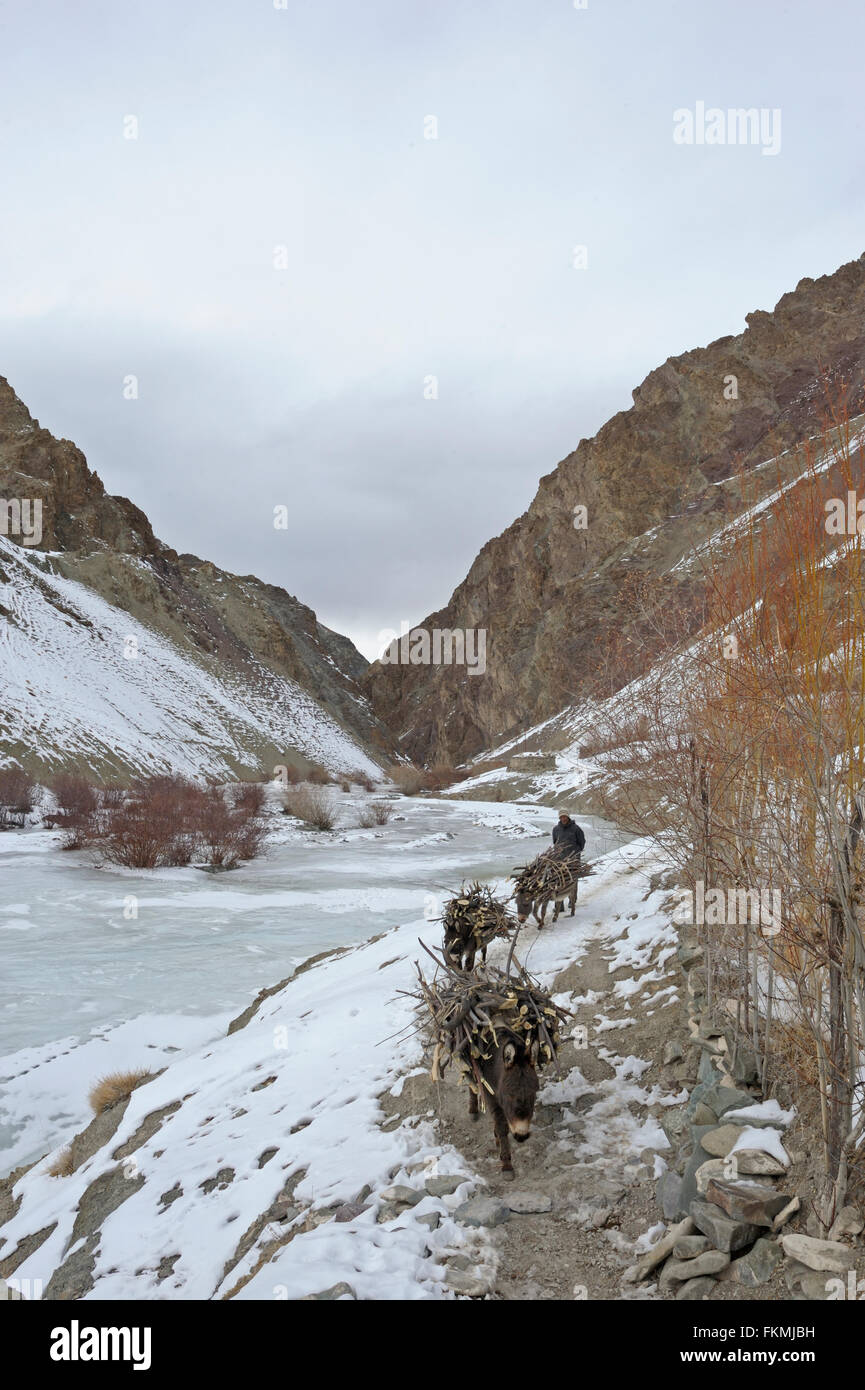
{"x":473,"y":1106}
{"x":574,"y":898}
{"x":556,"y":910}
{"x":501,"y":1128}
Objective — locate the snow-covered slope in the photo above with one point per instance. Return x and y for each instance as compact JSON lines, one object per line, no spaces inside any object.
{"x":83,"y":681}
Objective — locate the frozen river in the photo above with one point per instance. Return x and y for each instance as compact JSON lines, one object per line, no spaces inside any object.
{"x":105,"y":968}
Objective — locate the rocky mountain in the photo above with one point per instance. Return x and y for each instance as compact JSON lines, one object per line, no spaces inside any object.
{"x":119,"y":654}
{"x":656,"y":480}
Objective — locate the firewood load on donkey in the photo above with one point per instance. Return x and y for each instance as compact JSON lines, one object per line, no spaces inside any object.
{"x":551,"y":878}
{"x":500,"y":1029}
{"x":471,"y":920}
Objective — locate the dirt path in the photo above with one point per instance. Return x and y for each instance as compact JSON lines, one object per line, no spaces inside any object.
{"x":589,"y":1153}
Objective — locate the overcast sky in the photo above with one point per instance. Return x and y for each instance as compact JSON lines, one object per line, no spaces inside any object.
{"x":405,"y":257}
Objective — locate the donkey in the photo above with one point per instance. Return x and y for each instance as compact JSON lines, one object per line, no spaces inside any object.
{"x":511,"y":1071}
{"x":461,"y":950}
{"x":557,"y":896}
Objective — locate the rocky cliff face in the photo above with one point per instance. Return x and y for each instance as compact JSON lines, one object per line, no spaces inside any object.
{"x":655,"y":480}
{"x":231,"y":628}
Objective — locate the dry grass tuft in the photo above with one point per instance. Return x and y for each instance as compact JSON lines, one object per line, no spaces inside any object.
{"x":314,"y":805}
{"x":116,"y":1086}
{"x":62,"y":1165}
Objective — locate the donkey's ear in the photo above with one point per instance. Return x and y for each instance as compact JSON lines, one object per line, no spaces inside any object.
{"x":510,"y":1054}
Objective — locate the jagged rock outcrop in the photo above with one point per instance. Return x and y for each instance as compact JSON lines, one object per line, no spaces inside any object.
{"x":549,"y":594}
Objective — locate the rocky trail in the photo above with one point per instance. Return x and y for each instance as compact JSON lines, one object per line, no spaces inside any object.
{"x":585,"y":1200}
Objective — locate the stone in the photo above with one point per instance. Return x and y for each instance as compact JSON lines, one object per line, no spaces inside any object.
{"x":694,"y":1289}
{"x":712,"y":1168}
{"x":526,"y":1203}
{"x":668,"y":1192}
{"x":389,"y":1211}
{"x":757,"y":1163}
{"x":744,"y":1067}
{"x":444,"y":1185}
{"x":746,"y":1201}
{"x":689,"y":956}
{"x":758,"y":1266}
{"x":707,"y":1072}
{"x":404,"y":1196}
{"x":784,"y":1215}
{"x":687,"y":1247}
{"x":341,"y":1290}
{"x":722,"y":1098}
{"x":673,"y":1052}
{"x":674,"y":1122}
{"x":430,"y":1219}
{"x":703,"y":1115}
{"x":677,"y":1271}
{"x":848,"y":1222}
{"x":469,"y":1285}
{"x":806,"y":1284}
{"x":820,"y":1255}
{"x":482,"y":1211}
{"x":454,"y":1259}
{"x":348,"y":1211}
{"x":694,"y":1165}
{"x":722,"y":1230}
{"x":718,"y":1142}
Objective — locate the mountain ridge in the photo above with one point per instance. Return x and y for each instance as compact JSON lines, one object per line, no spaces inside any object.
{"x":222,"y":625}
{"x":550,"y":594}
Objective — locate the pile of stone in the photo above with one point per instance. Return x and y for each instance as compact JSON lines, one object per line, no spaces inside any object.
{"x":725,"y":1193}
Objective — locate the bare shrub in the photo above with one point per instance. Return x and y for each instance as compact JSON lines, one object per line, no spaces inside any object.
{"x":155,"y":826}
{"x":17,"y":797}
{"x":442,"y":775}
{"x":345,"y":786}
{"x":249,"y":797}
{"x":229,"y":833}
{"x":408,"y":778}
{"x":116,"y":1086}
{"x":166,"y":820}
{"x":313,"y":805}
{"x":363,"y":779}
{"x":77,"y":808}
{"x":111,"y":796}
{"x":375,"y":813}
{"x":134,"y":837}
{"x":75,"y":797}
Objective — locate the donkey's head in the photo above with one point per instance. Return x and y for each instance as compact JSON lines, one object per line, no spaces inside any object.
{"x":515,"y":1082}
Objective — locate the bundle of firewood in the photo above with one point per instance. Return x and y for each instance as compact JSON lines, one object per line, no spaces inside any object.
{"x":551,"y":872}
{"x":474,"y":912}
{"x":472,"y":1014}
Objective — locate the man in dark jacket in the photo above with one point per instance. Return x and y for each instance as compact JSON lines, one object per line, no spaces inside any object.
{"x":568,"y":838}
